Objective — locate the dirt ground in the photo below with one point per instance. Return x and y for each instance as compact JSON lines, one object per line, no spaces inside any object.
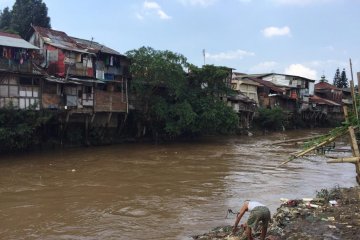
{"x":332,"y":214}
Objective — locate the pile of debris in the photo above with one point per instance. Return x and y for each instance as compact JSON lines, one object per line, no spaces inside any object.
{"x":333,"y":214}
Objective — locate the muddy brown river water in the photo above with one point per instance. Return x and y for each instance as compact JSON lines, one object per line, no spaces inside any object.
{"x":146,"y":191}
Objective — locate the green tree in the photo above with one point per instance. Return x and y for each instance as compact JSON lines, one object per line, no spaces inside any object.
{"x":271,"y":119}
{"x":206,"y":89}
{"x":158,"y":81}
{"x":172,"y":103}
{"x":343,"y":82}
{"x":27,"y":12}
{"x":5,"y":19}
{"x":336,"y":78}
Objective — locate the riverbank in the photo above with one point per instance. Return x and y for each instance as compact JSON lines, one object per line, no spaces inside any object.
{"x":332,"y":214}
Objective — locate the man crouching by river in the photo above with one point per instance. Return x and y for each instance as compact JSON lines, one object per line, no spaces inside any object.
{"x":258,"y":212}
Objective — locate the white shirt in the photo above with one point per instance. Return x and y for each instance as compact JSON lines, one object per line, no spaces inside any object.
{"x":253,"y":204}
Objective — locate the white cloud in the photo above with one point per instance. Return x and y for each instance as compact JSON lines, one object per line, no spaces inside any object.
{"x":276,"y":31}
{"x":203,"y":3}
{"x":301,"y":2}
{"x":151,"y":5}
{"x":162,"y":14}
{"x":301,"y":70}
{"x":230,"y":55}
{"x":264,"y":67}
{"x":151,"y":8}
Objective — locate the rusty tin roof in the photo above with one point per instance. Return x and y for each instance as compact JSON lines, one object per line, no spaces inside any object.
{"x":13,"y":40}
{"x":58,"y":39}
{"x":95,"y":47}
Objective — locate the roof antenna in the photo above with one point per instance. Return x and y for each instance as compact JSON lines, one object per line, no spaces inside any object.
{"x":204,"y":55}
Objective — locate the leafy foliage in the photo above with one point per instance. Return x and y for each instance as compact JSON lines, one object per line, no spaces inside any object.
{"x":23,"y":14}
{"x":340,"y":80}
{"x":20,"y":129}
{"x":5,"y":19}
{"x":336,"y":78}
{"x":171,"y":103}
{"x":343,"y":82}
{"x":329,"y":194}
{"x":338,"y":131}
{"x":271,"y":119}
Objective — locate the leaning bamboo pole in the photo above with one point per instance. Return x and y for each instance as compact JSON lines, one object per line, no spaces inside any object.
{"x":352,"y":125}
{"x":345,"y":160}
{"x":306,"y":151}
{"x":293,"y":140}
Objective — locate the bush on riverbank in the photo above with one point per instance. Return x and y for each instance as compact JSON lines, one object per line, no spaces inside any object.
{"x":21,"y":129}
{"x":271,"y":119}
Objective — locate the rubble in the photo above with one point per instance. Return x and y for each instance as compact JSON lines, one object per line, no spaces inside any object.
{"x":333,"y":214}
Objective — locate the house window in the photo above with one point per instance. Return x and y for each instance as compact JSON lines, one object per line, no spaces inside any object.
{"x":13,"y":91}
{"x":4,"y":90}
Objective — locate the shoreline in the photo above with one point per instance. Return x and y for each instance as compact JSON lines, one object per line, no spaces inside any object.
{"x":331,"y":214}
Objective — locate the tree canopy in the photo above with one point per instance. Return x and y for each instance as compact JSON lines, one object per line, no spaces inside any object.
{"x":23,"y":14}
{"x":5,"y":19}
{"x":340,"y":80}
{"x":336,"y":78}
{"x":343,"y":82}
{"x":172,"y":102}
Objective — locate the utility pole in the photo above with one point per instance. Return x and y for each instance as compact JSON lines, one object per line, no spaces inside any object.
{"x":204,"y":55}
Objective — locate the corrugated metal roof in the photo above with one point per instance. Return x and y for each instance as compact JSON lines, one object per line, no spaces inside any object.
{"x":5,"y":34}
{"x":267,"y":84}
{"x":249,"y":82}
{"x":88,"y":80}
{"x":15,"y":42}
{"x":322,"y":101}
{"x":280,"y":74}
{"x":95,"y":47}
{"x":54,"y":79}
{"x":58,"y":39}
{"x":325,"y":85}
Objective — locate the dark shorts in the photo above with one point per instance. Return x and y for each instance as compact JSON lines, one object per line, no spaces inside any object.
{"x":260,"y":213}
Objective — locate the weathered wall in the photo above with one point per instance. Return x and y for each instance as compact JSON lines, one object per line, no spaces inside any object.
{"x":109,"y":101}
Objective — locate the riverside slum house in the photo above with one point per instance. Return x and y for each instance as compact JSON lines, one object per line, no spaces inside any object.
{"x":240,"y":103}
{"x":86,"y":81}
{"x":245,"y":101}
{"x":269,"y":95}
{"x":297,"y":96}
{"x":328,"y":100}
{"x":19,"y":78}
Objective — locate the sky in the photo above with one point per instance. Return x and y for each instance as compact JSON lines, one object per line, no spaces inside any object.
{"x":308,"y":38}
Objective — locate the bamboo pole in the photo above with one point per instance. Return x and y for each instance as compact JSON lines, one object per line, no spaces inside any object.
{"x":302,"y":153}
{"x":294,"y":140}
{"x":353,"y":94}
{"x":358,"y":81}
{"x":354,"y":144}
{"x":345,"y":160}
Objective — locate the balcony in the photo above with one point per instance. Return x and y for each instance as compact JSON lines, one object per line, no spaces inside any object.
{"x":79,"y":69}
{"x":10,"y":65}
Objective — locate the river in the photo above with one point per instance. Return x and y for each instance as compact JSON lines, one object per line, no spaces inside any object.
{"x":146,"y":191}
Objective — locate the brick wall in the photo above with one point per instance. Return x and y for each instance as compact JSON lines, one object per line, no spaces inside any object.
{"x":109,"y":101}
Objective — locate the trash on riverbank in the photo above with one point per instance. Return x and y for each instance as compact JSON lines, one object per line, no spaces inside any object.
{"x":333,"y":214}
